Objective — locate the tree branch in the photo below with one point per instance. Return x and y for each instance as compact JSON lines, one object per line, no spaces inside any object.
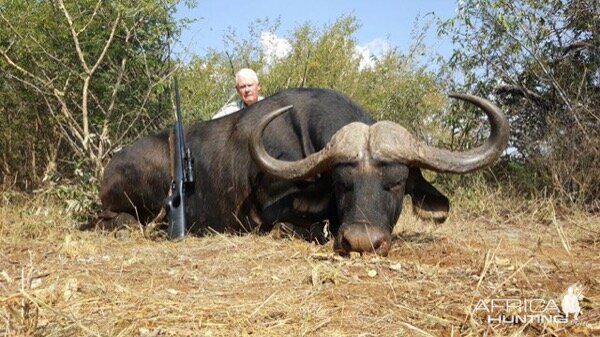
{"x":107,"y":44}
{"x":75,"y":37}
{"x":91,"y":17}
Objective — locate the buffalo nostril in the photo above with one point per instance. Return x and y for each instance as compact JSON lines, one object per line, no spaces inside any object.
{"x":383,"y":248}
{"x":377,"y":244}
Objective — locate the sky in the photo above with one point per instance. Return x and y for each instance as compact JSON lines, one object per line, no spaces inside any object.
{"x":384,"y":23}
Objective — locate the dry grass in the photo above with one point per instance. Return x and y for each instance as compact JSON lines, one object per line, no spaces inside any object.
{"x":55,"y":281}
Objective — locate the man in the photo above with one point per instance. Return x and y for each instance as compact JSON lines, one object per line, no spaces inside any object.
{"x":247,"y":87}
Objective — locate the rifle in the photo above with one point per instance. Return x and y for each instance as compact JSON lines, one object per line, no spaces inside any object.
{"x":183,"y":180}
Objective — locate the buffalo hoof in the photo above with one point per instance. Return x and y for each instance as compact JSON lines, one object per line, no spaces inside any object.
{"x":109,"y":221}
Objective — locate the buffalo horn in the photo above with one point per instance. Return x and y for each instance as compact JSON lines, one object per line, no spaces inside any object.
{"x":396,"y":144}
{"x":345,"y":145}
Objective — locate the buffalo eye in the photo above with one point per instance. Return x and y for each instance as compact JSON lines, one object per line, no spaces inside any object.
{"x":342,"y":178}
{"x":343,"y":186}
{"x":394,"y":176}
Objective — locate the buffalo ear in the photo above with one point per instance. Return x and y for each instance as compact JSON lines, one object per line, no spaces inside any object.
{"x":428,"y":203}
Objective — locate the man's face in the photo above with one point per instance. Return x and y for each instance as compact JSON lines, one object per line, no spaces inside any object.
{"x":248,"y":90}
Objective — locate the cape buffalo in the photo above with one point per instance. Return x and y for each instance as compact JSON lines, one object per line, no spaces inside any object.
{"x":323,"y":158}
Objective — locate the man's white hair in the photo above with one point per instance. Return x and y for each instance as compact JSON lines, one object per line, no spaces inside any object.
{"x":246,"y":73}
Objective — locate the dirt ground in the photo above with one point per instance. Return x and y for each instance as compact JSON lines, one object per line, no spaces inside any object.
{"x":438,"y":280}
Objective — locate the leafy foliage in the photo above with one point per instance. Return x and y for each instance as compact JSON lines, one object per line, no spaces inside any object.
{"x":80,"y":78}
{"x":540,"y":60}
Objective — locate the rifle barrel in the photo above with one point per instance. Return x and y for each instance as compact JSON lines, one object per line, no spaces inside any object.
{"x":176,"y":202}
